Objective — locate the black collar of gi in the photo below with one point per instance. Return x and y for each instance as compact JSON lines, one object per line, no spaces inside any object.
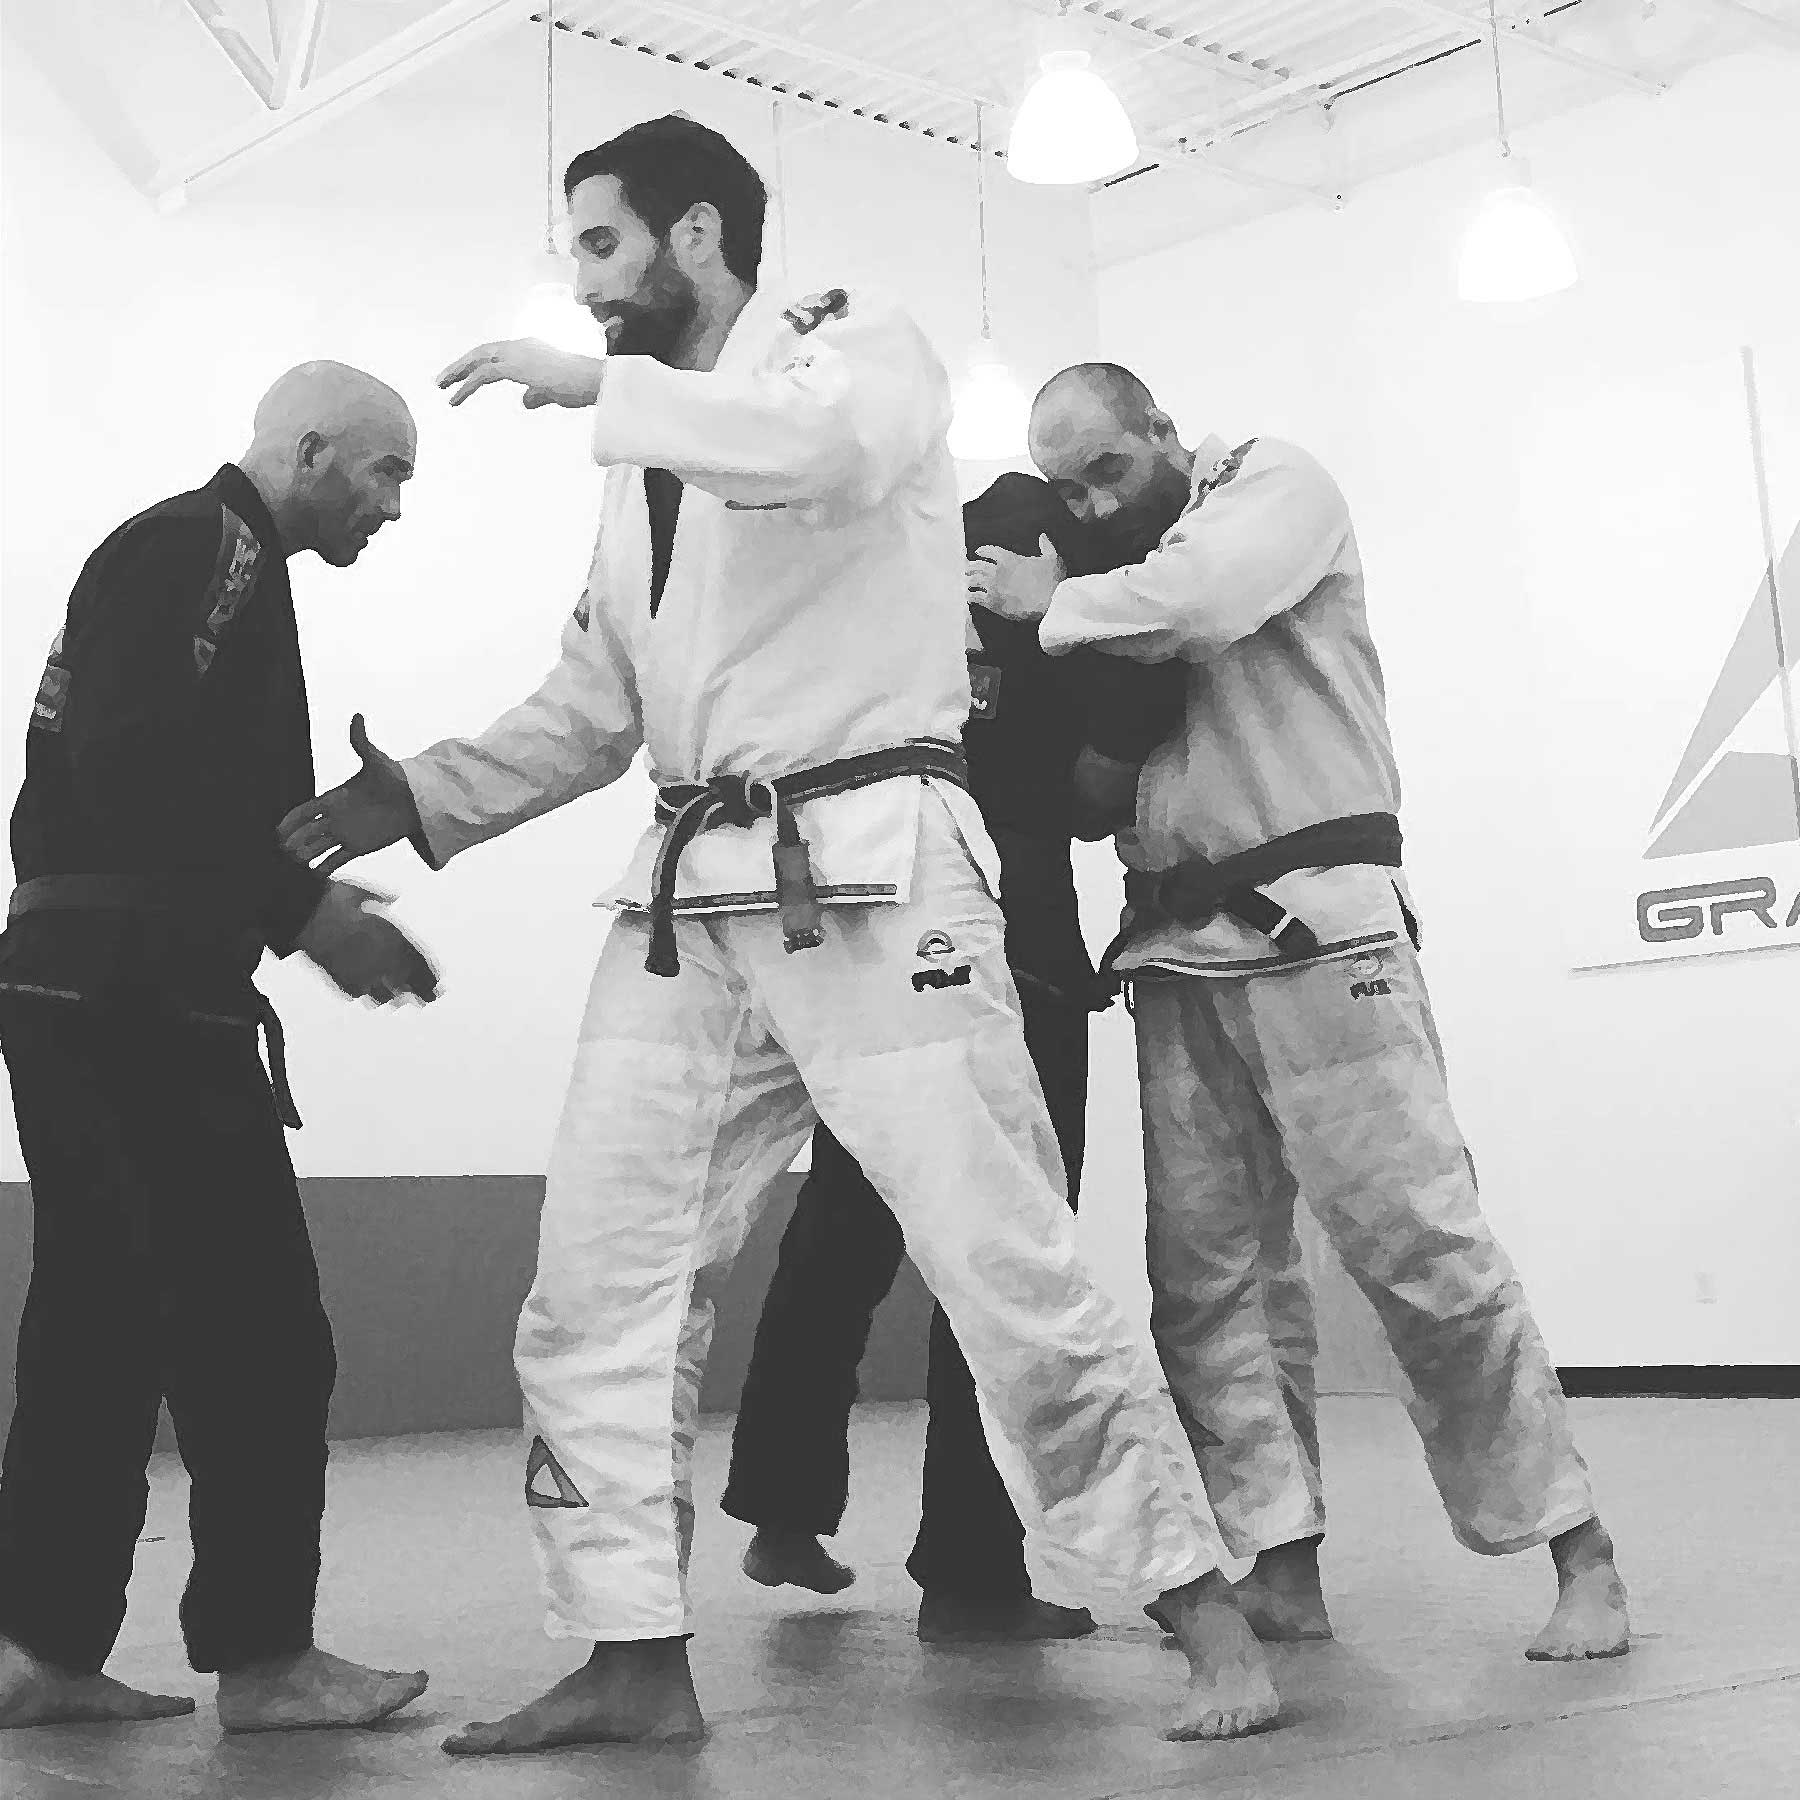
{"x":240,"y":493}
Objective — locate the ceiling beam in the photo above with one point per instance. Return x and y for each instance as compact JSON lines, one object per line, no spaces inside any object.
{"x":1528,"y":37}
{"x":296,"y":48}
{"x":232,"y":41}
{"x":60,"y":41}
{"x":1302,"y":91}
{"x":1151,"y":41}
{"x":583,"y":18}
{"x":450,"y":26}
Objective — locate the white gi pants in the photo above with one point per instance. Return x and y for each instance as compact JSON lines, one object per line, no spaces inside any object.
{"x":689,"y":1096}
{"x":1328,"y":1082}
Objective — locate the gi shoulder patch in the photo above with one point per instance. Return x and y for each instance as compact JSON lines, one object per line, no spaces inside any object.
{"x":235,"y":570}
{"x":53,"y":691}
{"x":1227,"y":469}
{"x":984,"y":690}
{"x":812,"y":312}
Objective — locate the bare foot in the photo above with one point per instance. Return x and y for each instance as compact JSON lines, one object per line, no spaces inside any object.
{"x":1591,"y":1617}
{"x":780,"y":1558}
{"x":313,"y":1691}
{"x":945,"y":1620}
{"x":34,"y":1692}
{"x":1230,"y":1691}
{"x":1281,"y":1596}
{"x":628,"y":1693}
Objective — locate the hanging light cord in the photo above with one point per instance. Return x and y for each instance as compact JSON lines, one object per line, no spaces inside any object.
{"x":780,"y":188}
{"x":549,"y":128}
{"x":1499,"y":91}
{"x":981,"y":215}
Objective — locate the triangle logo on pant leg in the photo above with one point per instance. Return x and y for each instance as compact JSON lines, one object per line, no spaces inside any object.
{"x":540,"y":1460}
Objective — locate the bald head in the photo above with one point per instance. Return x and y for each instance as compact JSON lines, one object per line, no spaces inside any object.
{"x":1112,"y":456}
{"x":330,"y":449}
{"x":1105,"y":391}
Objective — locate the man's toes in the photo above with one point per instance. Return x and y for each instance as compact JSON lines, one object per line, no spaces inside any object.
{"x":479,"y":1739}
{"x":399,"y":1690}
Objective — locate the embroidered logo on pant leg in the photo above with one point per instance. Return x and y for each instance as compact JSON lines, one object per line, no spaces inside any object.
{"x":540,"y":1459}
{"x":941,"y":978}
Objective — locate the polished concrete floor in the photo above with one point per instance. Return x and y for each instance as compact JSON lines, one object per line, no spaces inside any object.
{"x":1424,"y":1696}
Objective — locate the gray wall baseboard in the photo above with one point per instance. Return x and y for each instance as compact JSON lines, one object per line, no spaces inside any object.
{"x":424,"y":1275}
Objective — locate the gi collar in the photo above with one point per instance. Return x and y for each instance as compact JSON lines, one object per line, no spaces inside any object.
{"x":1208,"y":454}
{"x":240,"y":493}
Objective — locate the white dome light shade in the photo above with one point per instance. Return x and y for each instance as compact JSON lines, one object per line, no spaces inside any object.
{"x":1070,"y":127}
{"x":992,"y":412}
{"x":1514,"y":251}
{"x":549,"y":310}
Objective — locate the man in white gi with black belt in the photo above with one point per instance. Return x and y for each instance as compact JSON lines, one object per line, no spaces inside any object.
{"x":775,"y":609}
{"x":1285,"y":1040}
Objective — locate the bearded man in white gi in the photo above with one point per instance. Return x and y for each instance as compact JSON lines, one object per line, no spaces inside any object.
{"x":1285,"y":1040}
{"x":775,"y":610}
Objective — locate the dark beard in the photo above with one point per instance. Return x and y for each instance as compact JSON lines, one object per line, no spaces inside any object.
{"x":1133,"y":532}
{"x":655,"y":321}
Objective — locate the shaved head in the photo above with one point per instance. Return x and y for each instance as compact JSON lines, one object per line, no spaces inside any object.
{"x":332,"y":399}
{"x":1088,"y":387}
{"x":1112,"y":456}
{"x":330,"y":448}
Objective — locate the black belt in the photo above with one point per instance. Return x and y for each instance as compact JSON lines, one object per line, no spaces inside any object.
{"x":1198,"y":890}
{"x":168,"y":893}
{"x":691,"y":807}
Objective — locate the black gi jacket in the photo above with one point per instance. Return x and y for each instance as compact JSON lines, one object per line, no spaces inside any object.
{"x":169,"y":738}
{"x":1032,"y":714}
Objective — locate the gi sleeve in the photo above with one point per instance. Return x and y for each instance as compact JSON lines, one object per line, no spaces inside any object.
{"x":1254,"y":547}
{"x":852,"y":404}
{"x":576,"y":734}
{"x":151,"y":757}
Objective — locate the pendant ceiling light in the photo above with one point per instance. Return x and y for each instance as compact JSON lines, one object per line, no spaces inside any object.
{"x":1070,"y":127}
{"x":1514,"y":249}
{"x":989,"y":424}
{"x":548,"y":310}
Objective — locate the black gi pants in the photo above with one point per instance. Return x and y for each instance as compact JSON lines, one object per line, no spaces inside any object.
{"x":170,"y":1261}
{"x":790,"y":1464}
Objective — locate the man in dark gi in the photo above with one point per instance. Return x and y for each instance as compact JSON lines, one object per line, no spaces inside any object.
{"x":1048,"y":741}
{"x":171,"y":1258}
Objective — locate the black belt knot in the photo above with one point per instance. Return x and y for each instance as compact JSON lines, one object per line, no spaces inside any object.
{"x":1200,"y":889}
{"x":691,"y":807}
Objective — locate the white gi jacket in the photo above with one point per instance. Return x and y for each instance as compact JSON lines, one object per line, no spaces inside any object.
{"x":814,"y":609}
{"x":1259,"y":586}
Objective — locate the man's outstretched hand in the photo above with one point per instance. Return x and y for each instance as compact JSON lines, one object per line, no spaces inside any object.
{"x":550,"y":377}
{"x":361,"y":951}
{"x":371,"y":810}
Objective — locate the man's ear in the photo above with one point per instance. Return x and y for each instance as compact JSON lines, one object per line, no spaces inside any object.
{"x":703,"y":230}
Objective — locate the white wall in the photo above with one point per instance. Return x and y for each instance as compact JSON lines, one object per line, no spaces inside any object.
{"x":397,"y":236}
{"x":1633,"y":1129}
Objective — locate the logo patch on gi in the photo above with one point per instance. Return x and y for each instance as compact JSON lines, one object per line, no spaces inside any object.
{"x":812,"y":312}
{"x":935,"y":944}
{"x":239,"y":555}
{"x":53,"y":692}
{"x":1368,"y":990}
{"x":540,"y":1459}
{"x":984,"y":690}
{"x":940,"y":978}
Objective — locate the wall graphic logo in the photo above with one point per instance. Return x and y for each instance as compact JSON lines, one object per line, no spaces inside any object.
{"x":1661,"y":544}
{"x":1749,"y":798}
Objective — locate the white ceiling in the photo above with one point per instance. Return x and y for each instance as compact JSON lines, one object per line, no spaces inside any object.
{"x":1239,"y":105}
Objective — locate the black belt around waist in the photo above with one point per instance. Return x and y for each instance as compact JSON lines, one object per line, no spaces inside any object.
{"x":689,"y":808}
{"x":190,"y":894}
{"x":1195,"y":891}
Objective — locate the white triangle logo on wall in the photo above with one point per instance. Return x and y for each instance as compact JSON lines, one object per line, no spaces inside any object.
{"x":1748,"y":797}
